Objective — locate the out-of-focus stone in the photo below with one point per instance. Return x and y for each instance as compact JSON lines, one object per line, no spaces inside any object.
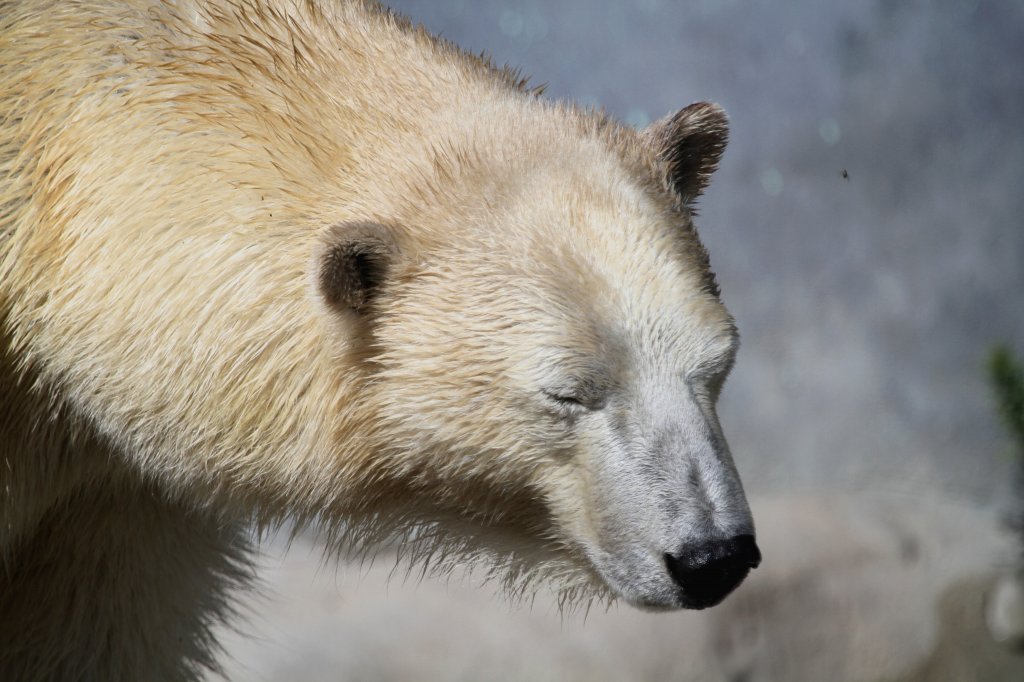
{"x":1004,"y":612}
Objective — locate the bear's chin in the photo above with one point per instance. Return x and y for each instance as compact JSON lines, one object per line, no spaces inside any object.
{"x":518,"y":558}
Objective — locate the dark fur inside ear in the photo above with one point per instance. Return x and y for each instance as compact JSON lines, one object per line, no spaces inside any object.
{"x":690,"y":143}
{"x":353,"y":264}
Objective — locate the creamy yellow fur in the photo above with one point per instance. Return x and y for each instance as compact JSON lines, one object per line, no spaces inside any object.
{"x":168,"y":372}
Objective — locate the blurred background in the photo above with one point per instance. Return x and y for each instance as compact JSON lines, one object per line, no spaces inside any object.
{"x":867,"y":228}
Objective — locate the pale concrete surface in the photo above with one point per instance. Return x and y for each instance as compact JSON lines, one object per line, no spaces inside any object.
{"x":852,"y":588}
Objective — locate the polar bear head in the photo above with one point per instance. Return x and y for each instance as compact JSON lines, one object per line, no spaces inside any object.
{"x":544,"y":345}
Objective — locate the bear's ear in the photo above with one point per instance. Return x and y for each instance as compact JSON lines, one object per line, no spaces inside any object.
{"x":690,"y":142}
{"x":352,"y":262}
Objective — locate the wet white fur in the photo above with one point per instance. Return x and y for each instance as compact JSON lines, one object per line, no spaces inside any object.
{"x":170,"y":372}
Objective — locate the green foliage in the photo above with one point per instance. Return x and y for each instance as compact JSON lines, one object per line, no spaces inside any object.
{"x":1007,"y":378}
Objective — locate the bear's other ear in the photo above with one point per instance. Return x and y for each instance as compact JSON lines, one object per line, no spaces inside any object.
{"x":352,"y":263}
{"x":690,"y":142}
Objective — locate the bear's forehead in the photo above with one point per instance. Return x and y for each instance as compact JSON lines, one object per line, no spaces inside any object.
{"x":637,"y":303}
{"x":589,"y":208}
{"x":573,"y":236}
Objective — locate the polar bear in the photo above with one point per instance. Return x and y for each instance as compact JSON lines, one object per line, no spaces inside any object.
{"x":302,"y":260}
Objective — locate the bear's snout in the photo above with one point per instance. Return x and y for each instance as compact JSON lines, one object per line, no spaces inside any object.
{"x":709,"y":571}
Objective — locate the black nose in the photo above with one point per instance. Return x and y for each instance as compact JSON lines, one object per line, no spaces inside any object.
{"x":709,"y":571}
